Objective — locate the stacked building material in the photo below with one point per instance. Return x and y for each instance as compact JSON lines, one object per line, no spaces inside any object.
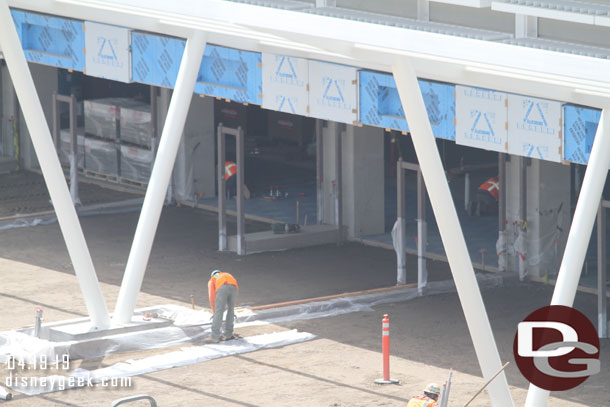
{"x":135,"y":163}
{"x":101,"y":157}
{"x":135,"y":123}
{"x":134,"y":120}
{"x":118,"y":138}
{"x":101,"y":118}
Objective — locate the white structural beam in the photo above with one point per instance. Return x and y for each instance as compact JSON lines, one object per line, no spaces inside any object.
{"x":580,"y":232}
{"x":159,"y":179}
{"x":575,"y":11}
{"x":326,"y":3}
{"x":451,"y":231}
{"x":51,"y":169}
{"x":467,"y":3}
{"x":540,"y":73}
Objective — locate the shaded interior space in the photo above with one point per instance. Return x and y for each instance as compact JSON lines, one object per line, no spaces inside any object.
{"x":480,"y":232}
{"x":24,"y":193}
{"x":590,"y":269}
{"x":185,"y":251}
{"x":113,"y":125}
{"x":280,"y":163}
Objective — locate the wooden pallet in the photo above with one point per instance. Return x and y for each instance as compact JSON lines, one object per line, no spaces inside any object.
{"x":101,"y":176}
{"x":133,"y":182}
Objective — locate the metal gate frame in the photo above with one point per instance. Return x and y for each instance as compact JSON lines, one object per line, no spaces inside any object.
{"x":422,"y":226}
{"x":238,"y":133}
{"x":71,"y":101}
{"x":602,"y":281}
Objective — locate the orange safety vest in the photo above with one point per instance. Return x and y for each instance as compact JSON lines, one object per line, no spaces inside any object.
{"x":216,"y":282}
{"x":492,"y":186}
{"x":230,"y":169}
{"x":422,"y":401}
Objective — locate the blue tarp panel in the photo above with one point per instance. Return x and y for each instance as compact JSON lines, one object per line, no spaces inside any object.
{"x":231,"y":74}
{"x":580,"y":125}
{"x":380,"y":104}
{"x":225,"y":72}
{"x":50,"y":40}
{"x":156,"y":59}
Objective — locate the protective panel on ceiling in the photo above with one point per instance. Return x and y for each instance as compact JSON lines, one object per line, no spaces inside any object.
{"x":534,"y":128}
{"x":231,"y":74}
{"x":51,"y":40}
{"x":108,"y":51}
{"x":380,"y":104}
{"x":333,"y":92}
{"x":481,"y":118}
{"x":580,"y":125}
{"x":285,"y":84}
{"x":156,"y":59}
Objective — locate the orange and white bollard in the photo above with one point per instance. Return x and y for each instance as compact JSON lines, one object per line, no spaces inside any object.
{"x":385,"y":349}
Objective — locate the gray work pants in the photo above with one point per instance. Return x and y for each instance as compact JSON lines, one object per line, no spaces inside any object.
{"x":225,"y":298}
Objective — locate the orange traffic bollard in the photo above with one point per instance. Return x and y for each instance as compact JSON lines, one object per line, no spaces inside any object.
{"x":385,"y":348}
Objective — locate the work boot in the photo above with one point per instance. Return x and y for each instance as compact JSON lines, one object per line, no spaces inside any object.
{"x":210,"y":340}
{"x":230,"y":337}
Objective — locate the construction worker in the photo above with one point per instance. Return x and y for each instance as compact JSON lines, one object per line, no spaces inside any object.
{"x":222,"y":292}
{"x":231,"y":178}
{"x":428,"y":399}
{"x":487,"y":197}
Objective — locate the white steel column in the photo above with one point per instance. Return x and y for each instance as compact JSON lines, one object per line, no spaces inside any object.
{"x":422,"y":235}
{"x":326,"y":3}
{"x":51,"y":169}
{"x":399,"y":235}
{"x":159,"y":179}
{"x":580,"y":232}
{"x":319,"y":172}
{"x":451,"y":231}
{"x":602,"y":307}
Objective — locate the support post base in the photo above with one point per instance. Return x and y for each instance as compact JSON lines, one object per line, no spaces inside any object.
{"x":390,"y":381}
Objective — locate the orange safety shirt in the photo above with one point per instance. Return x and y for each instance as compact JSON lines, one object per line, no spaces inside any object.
{"x":215,"y":283}
{"x":422,"y":401}
{"x":230,"y":169}
{"x":492,"y":186}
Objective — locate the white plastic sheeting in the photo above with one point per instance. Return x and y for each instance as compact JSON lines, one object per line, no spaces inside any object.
{"x":520,"y":247}
{"x":182,"y":357}
{"x":129,"y":205}
{"x":501,"y":250}
{"x":193,"y":326}
{"x":397,"y":242}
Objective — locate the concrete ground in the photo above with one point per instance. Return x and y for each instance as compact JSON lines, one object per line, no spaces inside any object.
{"x":429,"y":334}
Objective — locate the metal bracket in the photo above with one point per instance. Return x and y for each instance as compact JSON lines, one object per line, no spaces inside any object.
{"x":153,"y":402}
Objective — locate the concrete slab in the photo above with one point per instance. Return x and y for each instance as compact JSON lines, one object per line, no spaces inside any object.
{"x":268,"y":241}
{"x":80,"y":330}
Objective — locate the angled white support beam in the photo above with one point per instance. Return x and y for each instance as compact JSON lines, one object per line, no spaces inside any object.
{"x":159,"y":179}
{"x":451,"y":231}
{"x":51,"y":169}
{"x":580,"y":232}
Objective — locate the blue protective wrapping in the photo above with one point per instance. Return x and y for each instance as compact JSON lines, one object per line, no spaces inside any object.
{"x":380,"y":104}
{"x":51,"y":40}
{"x":580,"y":125}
